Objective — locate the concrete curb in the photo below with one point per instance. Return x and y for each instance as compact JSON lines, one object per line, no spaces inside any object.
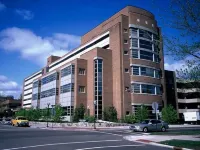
{"x":144,"y":141}
{"x":168,"y":146}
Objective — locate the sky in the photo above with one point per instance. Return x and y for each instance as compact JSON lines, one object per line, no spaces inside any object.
{"x":32,"y":30}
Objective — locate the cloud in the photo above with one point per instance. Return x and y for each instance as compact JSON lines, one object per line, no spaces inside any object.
{"x":2,"y":6}
{"x":8,"y":87}
{"x":36,"y":48}
{"x":175,"y":66}
{"x":25,"y":14}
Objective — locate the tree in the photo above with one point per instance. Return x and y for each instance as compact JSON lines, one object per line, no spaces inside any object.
{"x":130,"y":119}
{"x":184,"y":17}
{"x":79,"y":113}
{"x":58,"y":113}
{"x":169,"y":114}
{"x":110,"y":114}
{"x":141,"y":113}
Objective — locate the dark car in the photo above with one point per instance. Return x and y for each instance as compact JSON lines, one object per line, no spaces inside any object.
{"x":6,"y":121}
{"x":150,"y":125}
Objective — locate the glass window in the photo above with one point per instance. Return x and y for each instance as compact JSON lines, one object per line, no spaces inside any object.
{"x":125,"y":30}
{"x":146,"y":44}
{"x":134,"y":42}
{"x":126,"y":70}
{"x":125,"y":52}
{"x":48,"y":93}
{"x":146,"y":55}
{"x":149,"y":89}
{"x":156,"y":48}
{"x":49,"y":78}
{"x":125,"y":41}
{"x":145,"y":34}
{"x":156,"y":58}
{"x":133,"y":32}
{"x":81,"y":89}
{"x":67,"y":88}
{"x":158,"y":90}
{"x":147,"y":71}
{"x":157,"y":74}
{"x":155,"y":37}
{"x":35,"y":84}
{"x":35,"y":96}
{"x":136,"y":88}
{"x":135,"y":53}
{"x":81,"y":71}
{"x":135,"y":70}
{"x":67,"y":71}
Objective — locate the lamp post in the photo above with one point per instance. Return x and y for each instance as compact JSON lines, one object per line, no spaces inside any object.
{"x":95,"y":103}
{"x":48,"y":114}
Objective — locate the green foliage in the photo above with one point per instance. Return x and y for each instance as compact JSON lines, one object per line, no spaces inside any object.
{"x":129,"y":119}
{"x":21,"y":112}
{"x":141,"y":113}
{"x":79,"y":113}
{"x":30,"y":114}
{"x":110,"y":114}
{"x":58,"y":113}
{"x":90,"y":119}
{"x":169,"y":114}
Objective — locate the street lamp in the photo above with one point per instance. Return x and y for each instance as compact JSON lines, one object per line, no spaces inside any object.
{"x":48,"y":114}
{"x":95,"y":103}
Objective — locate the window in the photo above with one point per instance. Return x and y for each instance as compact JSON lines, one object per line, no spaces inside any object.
{"x":147,"y":71}
{"x":135,"y":53}
{"x":67,"y":71}
{"x":125,"y":30}
{"x":48,"y":93}
{"x":157,"y":74}
{"x":126,"y":88}
{"x":146,"y":88}
{"x":158,"y":90}
{"x":125,"y":41}
{"x":67,"y":88}
{"x":126,"y":70}
{"x":146,"y":55}
{"x":136,"y":88}
{"x":135,"y":70}
{"x":133,"y":32}
{"x":156,"y":48}
{"x":145,"y":34}
{"x":49,"y":78}
{"x":156,"y":58}
{"x":35,"y":96}
{"x":81,"y":71}
{"x":125,"y":52}
{"x":98,"y":87}
{"x":127,"y":112}
{"x":134,"y":42}
{"x":149,"y":89}
{"x":146,"y":44}
{"x":35,"y":84}
{"x":81,"y":89}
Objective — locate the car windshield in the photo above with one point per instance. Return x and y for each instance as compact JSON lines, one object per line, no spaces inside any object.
{"x":21,"y":118}
{"x":145,"y":122}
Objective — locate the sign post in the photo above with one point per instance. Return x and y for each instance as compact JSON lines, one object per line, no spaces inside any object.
{"x":155,"y":108}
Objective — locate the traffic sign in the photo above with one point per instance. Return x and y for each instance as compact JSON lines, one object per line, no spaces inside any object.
{"x":154,"y":105}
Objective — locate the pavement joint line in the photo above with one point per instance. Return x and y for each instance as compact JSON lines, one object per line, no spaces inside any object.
{"x":54,"y":144}
{"x":108,"y":147}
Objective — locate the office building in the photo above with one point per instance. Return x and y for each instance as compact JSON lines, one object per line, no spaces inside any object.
{"x":119,"y":63}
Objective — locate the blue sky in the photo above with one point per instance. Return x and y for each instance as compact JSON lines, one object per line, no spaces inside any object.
{"x":31,"y":30}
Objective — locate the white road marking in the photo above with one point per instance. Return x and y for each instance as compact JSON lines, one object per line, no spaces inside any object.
{"x":108,"y":133}
{"x":108,"y":147}
{"x":54,"y":144}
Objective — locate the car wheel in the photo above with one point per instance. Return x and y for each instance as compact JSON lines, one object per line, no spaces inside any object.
{"x":17,"y":124}
{"x":145,"y":129}
{"x":163,"y":129}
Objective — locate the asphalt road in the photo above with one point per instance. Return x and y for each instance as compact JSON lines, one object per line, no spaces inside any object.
{"x":16,"y":138}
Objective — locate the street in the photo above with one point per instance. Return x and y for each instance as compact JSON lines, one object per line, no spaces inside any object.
{"x":14,"y":138}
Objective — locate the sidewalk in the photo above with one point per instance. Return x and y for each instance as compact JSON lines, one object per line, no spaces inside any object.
{"x":155,"y":139}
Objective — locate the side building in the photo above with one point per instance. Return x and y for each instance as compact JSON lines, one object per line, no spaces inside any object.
{"x":119,"y":63}
{"x":188,"y":97}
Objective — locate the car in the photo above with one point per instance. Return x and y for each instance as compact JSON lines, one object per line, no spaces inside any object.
{"x":20,"y":121}
{"x":150,"y":125}
{"x":7,"y":121}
